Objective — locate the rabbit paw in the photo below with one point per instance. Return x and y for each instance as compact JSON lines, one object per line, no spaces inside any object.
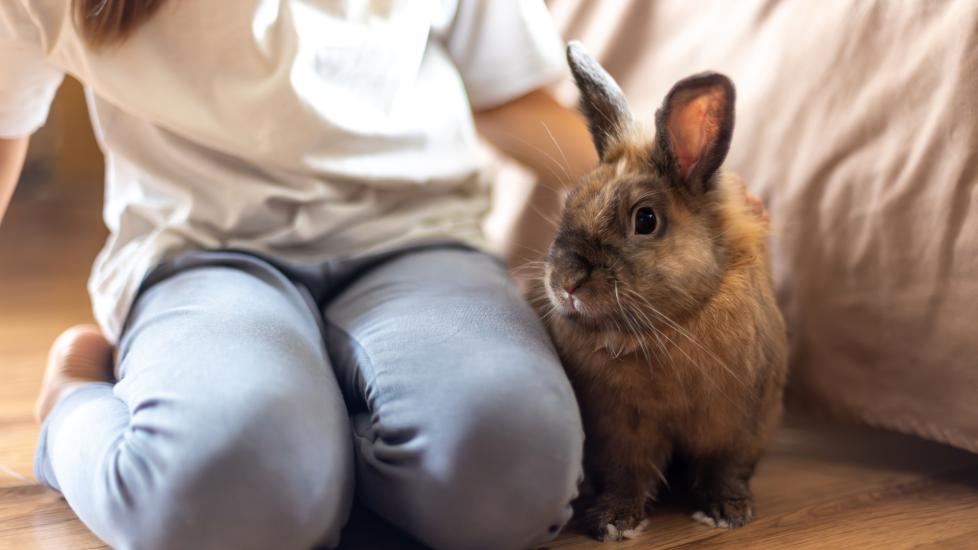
{"x":728,"y":513}
{"x":610,"y":521}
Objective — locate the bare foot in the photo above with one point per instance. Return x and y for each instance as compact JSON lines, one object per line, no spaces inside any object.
{"x":80,"y":355}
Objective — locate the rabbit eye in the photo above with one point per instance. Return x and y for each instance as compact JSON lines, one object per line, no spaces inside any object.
{"x":645,"y":221}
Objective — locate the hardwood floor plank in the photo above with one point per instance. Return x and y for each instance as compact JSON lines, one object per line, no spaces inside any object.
{"x":32,"y":517}
{"x":926,"y":511}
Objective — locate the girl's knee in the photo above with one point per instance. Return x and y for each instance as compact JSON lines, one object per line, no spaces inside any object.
{"x":516,"y":467}
{"x":259,"y":481}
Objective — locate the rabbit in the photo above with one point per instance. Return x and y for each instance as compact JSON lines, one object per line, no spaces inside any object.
{"x":658,"y":295}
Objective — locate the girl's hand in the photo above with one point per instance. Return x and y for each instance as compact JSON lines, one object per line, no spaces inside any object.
{"x":754,"y":202}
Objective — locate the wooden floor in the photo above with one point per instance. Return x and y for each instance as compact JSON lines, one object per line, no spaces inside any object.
{"x":820,"y":486}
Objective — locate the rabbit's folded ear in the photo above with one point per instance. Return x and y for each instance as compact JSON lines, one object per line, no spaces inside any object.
{"x":693,"y":128}
{"x":602,"y":101}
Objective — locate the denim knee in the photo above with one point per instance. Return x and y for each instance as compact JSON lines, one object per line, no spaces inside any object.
{"x":266,"y":483}
{"x":512,"y":468}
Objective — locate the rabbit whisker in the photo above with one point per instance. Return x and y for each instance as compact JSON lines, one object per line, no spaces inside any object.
{"x":567,"y":175}
{"x":679,"y":330}
{"x":675,"y":326}
{"x":632,"y":324}
{"x":546,"y":217}
{"x":557,"y":145}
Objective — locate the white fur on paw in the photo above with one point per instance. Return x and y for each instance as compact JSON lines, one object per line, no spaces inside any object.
{"x":635,"y":531}
{"x":707,"y":520}
{"x":610,"y":533}
{"x":704,"y":519}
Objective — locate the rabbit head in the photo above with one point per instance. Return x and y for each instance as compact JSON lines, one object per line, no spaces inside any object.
{"x":643,"y":232}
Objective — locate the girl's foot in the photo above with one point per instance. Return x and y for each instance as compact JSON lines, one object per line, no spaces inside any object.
{"x":79,"y":356}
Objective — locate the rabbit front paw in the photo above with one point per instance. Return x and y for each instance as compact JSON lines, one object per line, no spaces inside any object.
{"x":611,"y":519}
{"x":727,"y":513}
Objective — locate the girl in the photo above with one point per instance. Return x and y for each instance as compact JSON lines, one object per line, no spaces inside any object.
{"x":295,"y":279}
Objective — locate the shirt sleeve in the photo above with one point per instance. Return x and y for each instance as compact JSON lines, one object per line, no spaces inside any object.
{"x":504,"y":49}
{"x":28,"y":81}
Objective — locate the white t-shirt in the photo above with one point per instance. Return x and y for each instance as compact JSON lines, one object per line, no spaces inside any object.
{"x":300,"y":129}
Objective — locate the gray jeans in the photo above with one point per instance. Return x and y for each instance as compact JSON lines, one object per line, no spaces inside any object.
{"x":256,"y":398}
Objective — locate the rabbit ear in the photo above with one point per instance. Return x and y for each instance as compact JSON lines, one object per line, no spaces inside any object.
{"x":602,"y":101}
{"x":694,"y":126}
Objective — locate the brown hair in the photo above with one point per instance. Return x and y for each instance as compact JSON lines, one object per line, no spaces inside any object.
{"x":106,"y":22}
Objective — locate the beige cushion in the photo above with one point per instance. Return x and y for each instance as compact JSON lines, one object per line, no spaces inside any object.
{"x":857,"y":122}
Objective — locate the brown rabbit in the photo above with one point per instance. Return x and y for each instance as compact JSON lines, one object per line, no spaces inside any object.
{"x":659,"y":298}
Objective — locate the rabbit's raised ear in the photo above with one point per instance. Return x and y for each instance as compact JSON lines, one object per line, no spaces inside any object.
{"x":602,"y":101}
{"x":693,"y":128}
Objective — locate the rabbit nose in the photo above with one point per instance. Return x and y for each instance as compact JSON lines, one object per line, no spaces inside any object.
{"x":572,"y":285}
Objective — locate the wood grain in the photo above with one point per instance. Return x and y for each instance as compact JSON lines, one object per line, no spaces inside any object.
{"x":819,"y":486}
